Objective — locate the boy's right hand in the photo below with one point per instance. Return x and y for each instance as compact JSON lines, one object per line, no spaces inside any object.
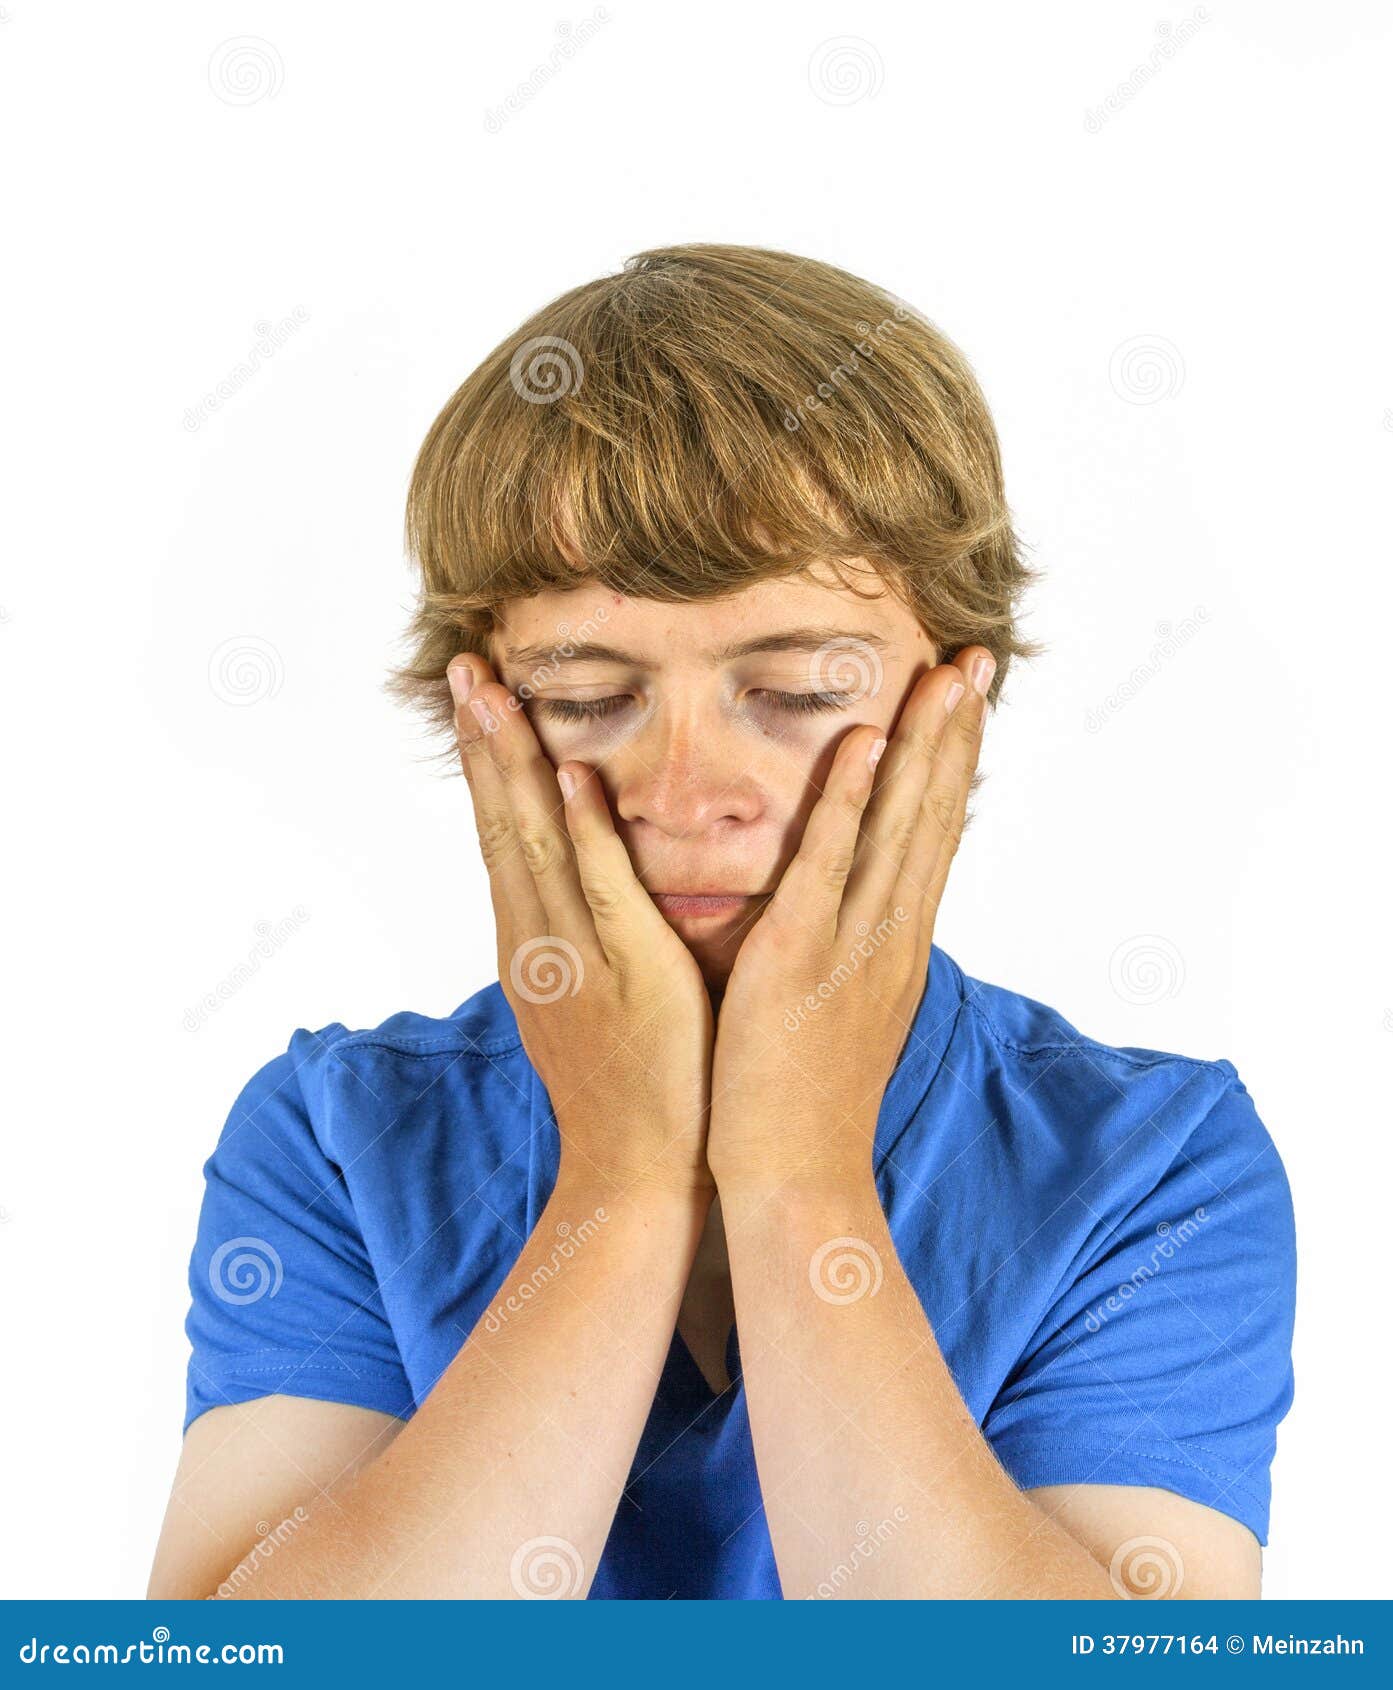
{"x":612,"y":1009}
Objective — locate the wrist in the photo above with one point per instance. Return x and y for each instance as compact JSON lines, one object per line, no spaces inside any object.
{"x":582,"y":1189}
{"x":817,"y":1191}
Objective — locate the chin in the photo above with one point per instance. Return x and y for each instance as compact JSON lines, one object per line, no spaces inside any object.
{"x":715,"y":944}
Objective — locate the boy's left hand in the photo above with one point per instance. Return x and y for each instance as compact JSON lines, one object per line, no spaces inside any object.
{"x":826,"y":985}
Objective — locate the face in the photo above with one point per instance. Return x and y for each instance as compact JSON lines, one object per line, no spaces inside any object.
{"x":712,"y":725}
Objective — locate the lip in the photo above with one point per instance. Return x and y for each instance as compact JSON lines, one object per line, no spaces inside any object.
{"x":699,"y":905}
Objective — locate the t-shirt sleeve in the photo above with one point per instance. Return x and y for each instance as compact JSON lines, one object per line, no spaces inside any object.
{"x":285,"y":1299}
{"x":1167,"y":1359}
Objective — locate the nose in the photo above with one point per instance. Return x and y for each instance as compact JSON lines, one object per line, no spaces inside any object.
{"x":686,"y":776}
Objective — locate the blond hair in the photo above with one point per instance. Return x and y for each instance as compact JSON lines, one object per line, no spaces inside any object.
{"x":710,"y":417}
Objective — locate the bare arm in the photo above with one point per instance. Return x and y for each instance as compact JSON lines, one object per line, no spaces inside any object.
{"x":876,"y":1479}
{"x":507,"y":1479}
{"x":505,"y":1482}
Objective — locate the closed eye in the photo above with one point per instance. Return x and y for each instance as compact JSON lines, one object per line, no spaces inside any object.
{"x":807,"y":703}
{"x":595,"y":709}
{"x":580,"y":709}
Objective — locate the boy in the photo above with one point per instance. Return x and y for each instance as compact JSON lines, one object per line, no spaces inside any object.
{"x":735,"y":1243}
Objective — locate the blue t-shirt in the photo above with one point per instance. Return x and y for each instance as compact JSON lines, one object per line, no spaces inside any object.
{"x":1101,"y":1238}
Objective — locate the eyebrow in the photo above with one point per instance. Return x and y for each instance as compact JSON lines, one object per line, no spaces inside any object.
{"x":787,"y":639}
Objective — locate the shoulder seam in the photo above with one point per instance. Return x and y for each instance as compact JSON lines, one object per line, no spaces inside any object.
{"x":426,"y":1045}
{"x":1085,"y":1045}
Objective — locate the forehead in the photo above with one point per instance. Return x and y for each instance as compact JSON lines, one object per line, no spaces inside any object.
{"x":596,"y":613}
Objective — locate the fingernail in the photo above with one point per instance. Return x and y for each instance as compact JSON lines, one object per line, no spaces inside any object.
{"x":483,"y":715}
{"x":951,"y":697}
{"x":875,"y":753}
{"x":982,"y":671}
{"x":461,"y":679}
{"x":567,"y":782}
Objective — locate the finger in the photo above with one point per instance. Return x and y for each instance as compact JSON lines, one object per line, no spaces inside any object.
{"x":893,"y":817}
{"x":620,"y":908}
{"x":517,"y":904}
{"x":809,"y":896}
{"x":944,"y":810}
{"x":543,"y":847}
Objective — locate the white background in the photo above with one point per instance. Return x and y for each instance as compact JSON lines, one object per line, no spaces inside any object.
{"x":1174,"y":289}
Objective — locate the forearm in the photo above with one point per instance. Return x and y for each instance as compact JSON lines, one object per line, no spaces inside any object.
{"x":530,"y":1432}
{"x":876,"y":1480}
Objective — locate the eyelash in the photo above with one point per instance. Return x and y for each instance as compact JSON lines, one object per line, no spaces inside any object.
{"x":595,"y":709}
